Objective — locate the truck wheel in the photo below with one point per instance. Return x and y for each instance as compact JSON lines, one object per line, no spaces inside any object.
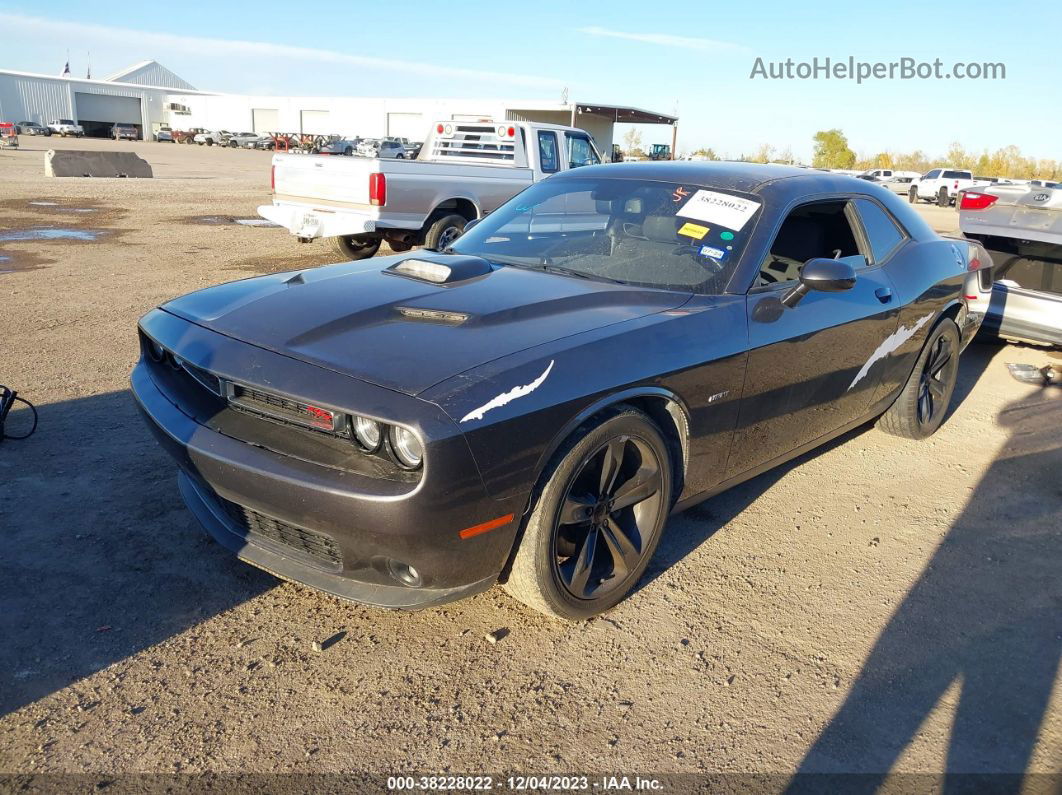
{"x":356,"y":246}
{"x":233,"y":144}
{"x":348,"y":151}
{"x":444,"y":232}
{"x":912,"y":195}
{"x":942,"y":198}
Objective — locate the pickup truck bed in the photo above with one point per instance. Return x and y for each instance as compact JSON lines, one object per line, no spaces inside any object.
{"x":464,"y":170}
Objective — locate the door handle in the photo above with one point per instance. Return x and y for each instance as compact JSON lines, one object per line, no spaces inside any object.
{"x":884,"y":294}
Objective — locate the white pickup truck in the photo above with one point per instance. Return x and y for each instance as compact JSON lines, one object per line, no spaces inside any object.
{"x":943,"y":186}
{"x":465,"y":170}
{"x":65,"y":127}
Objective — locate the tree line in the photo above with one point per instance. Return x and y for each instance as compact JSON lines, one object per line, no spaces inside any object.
{"x":831,"y":150}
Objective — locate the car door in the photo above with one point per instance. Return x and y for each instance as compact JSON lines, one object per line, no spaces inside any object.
{"x":809,"y":368}
{"x":927,"y":186}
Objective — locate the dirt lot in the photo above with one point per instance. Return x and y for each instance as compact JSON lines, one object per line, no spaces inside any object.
{"x":876,"y":605}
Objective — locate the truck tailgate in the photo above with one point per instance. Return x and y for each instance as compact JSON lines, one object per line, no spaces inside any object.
{"x":331,"y":178}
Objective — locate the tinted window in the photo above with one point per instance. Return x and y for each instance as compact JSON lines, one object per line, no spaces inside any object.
{"x":957,"y":175}
{"x":932,"y":174}
{"x":547,"y":151}
{"x":881,"y":230}
{"x":813,"y":230}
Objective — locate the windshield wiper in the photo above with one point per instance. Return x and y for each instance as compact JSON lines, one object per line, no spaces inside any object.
{"x":566,"y":271}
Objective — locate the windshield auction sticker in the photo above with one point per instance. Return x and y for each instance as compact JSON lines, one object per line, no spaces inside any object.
{"x":719,"y":208}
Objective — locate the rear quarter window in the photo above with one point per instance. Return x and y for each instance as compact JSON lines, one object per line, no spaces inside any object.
{"x":883,"y":233}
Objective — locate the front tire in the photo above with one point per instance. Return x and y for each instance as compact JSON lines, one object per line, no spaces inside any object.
{"x":920,"y":407}
{"x":597,"y":520}
{"x":355,"y":247}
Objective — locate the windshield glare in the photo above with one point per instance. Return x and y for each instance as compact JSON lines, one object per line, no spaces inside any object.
{"x":675,"y":236}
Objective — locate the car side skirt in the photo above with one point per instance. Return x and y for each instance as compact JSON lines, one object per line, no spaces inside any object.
{"x":877,"y":410}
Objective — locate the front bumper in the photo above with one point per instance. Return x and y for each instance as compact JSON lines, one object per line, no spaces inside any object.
{"x":370,"y":522}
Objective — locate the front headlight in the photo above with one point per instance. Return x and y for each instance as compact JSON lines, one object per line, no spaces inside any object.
{"x":407,"y":447}
{"x":368,"y":433}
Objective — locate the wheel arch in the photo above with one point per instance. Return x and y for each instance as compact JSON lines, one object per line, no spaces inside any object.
{"x":662,"y":406}
{"x":459,"y":205}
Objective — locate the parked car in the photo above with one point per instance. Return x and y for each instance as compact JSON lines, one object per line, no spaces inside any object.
{"x":340,"y":146}
{"x":239,"y":139}
{"x":65,"y":127}
{"x":367,"y":147}
{"x":164,"y":135}
{"x":32,"y":128}
{"x":125,"y":131}
{"x":942,"y":185}
{"x":1021,"y":227}
{"x":530,"y":404}
{"x":215,"y":138}
{"x":467,"y":170}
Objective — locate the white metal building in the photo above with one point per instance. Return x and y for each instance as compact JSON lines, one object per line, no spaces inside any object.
{"x":148,"y":95}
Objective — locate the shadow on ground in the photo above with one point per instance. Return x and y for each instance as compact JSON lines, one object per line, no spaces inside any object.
{"x":985,"y":616}
{"x":99,"y":559}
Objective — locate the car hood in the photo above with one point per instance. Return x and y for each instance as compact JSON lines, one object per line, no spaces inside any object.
{"x":393,"y":330}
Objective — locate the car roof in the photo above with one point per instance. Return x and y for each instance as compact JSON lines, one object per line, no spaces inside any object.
{"x":728,"y":175}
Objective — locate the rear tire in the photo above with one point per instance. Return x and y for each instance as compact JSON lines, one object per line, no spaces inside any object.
{"x":920,"y":407}
{"x":443,"y":232}
{"x":942,"y":198}
{"x":580,"y":556}
{"x":355,"y":247}
{"x":912,"y":195}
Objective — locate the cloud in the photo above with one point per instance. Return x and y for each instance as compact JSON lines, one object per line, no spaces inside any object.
{"x":667,"y":40}
{"x":98,"y":36}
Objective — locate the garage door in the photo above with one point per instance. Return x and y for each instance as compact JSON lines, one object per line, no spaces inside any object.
{"x":407,"y":125}
{"x":315,"y":122}
{"x":97,"y":112}
{"x":265,"y":120}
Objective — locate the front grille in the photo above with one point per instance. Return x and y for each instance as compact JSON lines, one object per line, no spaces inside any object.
{"x":309,"y":542}
{"x":288,"y":410}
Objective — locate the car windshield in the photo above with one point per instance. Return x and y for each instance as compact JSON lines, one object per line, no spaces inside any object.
{"x":669,"y":235}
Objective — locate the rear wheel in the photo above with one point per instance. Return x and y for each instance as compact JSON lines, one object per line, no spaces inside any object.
{"x":942,"y":198}
{"x":920,"y":408}
{"x":443,"y":232}
{"x":597,"y":521}
{"x":356,"y":246}
{"x":912,"y":195}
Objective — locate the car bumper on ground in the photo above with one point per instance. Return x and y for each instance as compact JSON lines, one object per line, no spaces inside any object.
{"x":351,"y":534}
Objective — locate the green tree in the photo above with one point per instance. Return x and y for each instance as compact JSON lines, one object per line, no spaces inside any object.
{"x":831,"y":150}
{"x":706,"y":152}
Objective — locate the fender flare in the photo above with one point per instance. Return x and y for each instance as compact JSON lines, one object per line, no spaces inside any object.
{"x":676,"y":407}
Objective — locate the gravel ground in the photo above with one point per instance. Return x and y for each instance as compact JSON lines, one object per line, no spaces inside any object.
{"x":878,"y":604}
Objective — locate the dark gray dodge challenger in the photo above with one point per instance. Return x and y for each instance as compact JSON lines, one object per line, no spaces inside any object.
{"x":613,"y":345}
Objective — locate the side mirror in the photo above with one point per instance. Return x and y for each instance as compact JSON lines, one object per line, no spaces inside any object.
{"x":820,"y":273}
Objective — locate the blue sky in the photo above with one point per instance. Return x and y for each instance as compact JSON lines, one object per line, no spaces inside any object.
{"x":693,"y":57}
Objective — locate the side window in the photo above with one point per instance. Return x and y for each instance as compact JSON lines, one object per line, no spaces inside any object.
{"x":932,"y":174}
{"x":882,"y":232}
{"x":580,"y":152}
{"x":814,"y":230}
{"x":547,"y":152}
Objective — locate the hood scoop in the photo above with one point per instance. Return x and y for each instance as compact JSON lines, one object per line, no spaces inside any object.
{"x":445,"y":270}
